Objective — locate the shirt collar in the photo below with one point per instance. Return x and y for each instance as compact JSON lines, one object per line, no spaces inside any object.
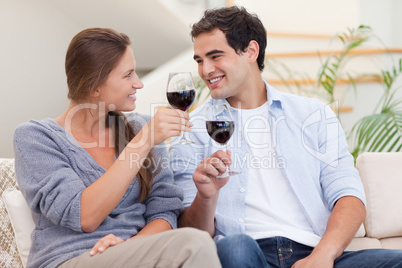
{"x":274,"y":97}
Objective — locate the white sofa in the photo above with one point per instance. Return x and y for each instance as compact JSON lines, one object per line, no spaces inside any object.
{"x":381,"y":174}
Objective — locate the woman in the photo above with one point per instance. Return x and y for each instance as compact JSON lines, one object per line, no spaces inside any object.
{"x":95,"y":180}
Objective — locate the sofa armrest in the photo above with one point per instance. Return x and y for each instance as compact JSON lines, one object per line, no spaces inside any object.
{"x":9,"y":255}
{"x":381,"y":177}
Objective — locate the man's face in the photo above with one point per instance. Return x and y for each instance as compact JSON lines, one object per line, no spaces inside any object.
{"x":223,"y":70}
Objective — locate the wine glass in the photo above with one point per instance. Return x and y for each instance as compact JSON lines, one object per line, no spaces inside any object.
{"x":180,"y":93}
{"x":220,"y":127}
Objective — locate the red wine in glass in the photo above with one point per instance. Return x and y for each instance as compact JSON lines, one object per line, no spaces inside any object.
{"x":220,"y":127}
{"x":180,"y":93}
{"x":220,"y":131}
{"x":181,"y":99}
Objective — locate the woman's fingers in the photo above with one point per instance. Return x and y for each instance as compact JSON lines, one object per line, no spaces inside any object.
{"x":104,"y":243}
{"x":168,"y":123}
{"x":178,"y":119}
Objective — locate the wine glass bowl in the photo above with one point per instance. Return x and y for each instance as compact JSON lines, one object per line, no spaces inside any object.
{"x":181,"y":99}
{"x":220,"y":127}
{"x":180,"y":93}
{"x":220,"y":131}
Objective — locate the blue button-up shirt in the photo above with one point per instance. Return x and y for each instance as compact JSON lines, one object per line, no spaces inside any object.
{"x":311,"y":150}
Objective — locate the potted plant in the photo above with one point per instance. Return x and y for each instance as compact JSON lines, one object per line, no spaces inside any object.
{"x":379,"y":132}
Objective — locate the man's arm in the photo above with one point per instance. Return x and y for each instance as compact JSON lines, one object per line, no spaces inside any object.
{"x":346,"y":218}
{"x":201,"y":213}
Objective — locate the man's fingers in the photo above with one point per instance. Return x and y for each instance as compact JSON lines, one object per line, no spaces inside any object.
{"x":222,"y":156}
{"x":218,"y":164}
{"x":213,"y":166}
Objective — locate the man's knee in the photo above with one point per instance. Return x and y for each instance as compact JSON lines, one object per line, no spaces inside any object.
{"x":239,"y":251}
{"x":238,"y":242}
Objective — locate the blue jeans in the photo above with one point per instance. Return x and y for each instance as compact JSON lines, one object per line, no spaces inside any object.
{"x":240,"y":251}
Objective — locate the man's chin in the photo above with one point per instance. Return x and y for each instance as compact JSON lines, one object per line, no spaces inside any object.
{"x":217,"y":95}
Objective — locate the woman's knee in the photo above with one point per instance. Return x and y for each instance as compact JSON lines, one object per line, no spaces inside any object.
{"x":195,"y":238}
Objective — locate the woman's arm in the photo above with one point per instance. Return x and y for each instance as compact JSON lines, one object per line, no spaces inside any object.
{"x":154,"y":227}
{"x":101,"y":197}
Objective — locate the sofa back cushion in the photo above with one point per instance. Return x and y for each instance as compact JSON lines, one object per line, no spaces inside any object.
{"x":381,"y":174}
{"x":21,"y":221}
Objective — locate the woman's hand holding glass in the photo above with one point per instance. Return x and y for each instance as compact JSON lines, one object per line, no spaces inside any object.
{"x":167,"y":123}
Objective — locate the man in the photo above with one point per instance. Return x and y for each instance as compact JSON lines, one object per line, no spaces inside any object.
{"x":298,"y":200}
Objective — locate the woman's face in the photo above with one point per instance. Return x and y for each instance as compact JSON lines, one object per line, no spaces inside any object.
{"x":118,"y":92}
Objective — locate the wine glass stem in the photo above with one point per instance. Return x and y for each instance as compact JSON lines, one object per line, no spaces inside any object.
{"x":227,"y":167}
{"x":182,"y":139}
{"x":227,"y":172}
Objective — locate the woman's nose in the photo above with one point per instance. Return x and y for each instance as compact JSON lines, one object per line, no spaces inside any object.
{"x":137,"y":83}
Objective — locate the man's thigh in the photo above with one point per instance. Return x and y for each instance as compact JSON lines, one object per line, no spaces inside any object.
{"x":373,"y":258}
{"x":240,"y":251}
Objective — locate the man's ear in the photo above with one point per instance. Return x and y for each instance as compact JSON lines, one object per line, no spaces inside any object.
{"x":253,"y":50}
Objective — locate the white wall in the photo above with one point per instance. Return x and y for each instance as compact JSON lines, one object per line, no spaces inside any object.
{"x":34,"y":39}
{"x":308,"y":16}
{"x":35,"y":36}
{"x":397,"y":23}
{"x":330,"y":17}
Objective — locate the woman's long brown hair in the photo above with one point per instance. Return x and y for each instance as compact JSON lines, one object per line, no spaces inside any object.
{"x":123,"y":134}
{"x":91,"y":56}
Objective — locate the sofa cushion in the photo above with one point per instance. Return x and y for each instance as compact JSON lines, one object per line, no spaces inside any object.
{"x":361,"y":232}
{"x":21,"y":221}
{"x":381,"y":176}
{"x":359,"y":243}
{"x":392,"y":242}
{"x":9,"y":255}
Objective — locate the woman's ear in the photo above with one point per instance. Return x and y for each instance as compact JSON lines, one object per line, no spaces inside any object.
{"x":253,"y":50}
{"x":95,"y":92}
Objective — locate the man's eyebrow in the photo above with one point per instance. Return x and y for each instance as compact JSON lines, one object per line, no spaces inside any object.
{"x":215,"y":51}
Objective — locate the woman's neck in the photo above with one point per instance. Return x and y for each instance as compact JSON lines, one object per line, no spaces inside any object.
{"x":86,"y":119}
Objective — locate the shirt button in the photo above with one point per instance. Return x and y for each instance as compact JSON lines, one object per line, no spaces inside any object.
{"x":240,"y":220}
{"x":242,"y":190}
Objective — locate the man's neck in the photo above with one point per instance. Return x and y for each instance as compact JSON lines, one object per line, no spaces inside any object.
{"x":253,"y":96}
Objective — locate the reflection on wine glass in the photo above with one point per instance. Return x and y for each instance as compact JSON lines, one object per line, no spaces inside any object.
{"x":181,"y":94}
{"x":220,"y":127}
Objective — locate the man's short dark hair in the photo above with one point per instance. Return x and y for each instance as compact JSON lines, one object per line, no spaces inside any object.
{"x":239,"y":27}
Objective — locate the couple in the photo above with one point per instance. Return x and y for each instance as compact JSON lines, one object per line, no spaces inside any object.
{"x":94,"y":207}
